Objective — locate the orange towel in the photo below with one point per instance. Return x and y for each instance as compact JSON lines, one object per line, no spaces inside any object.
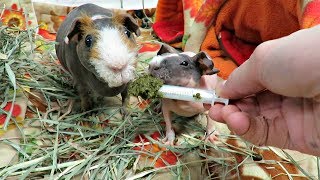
{"x":169,"y":10}
{"x":242,"y":25}
{"x":252,"y":21}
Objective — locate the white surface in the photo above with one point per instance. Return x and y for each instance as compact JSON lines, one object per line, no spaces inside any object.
{"x":114,"y":4}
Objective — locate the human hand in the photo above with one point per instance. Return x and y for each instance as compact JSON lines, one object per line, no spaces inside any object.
{"x":277,"y":94}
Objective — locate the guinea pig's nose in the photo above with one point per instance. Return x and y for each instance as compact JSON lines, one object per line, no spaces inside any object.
{"x":118,"y":67}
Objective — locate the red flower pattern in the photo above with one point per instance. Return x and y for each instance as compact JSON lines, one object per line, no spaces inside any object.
{"x":166,"y":158}
{"x":14,"y":17}
{"x":193,"y":6}
{"x":207,"y":11}
{"x":146,"y":47}
{"x":46,"y":34}
{"x":16,"y":111}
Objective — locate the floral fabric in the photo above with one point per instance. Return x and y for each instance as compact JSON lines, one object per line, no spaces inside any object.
{"x":199,"y":12}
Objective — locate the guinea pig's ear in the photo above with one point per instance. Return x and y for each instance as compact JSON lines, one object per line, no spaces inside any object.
{"x":128,"y":21}
{"x":74,"y":31}
{"x":166,"y":49}
{"x":131,"y":24}
{"x":205,"y":63}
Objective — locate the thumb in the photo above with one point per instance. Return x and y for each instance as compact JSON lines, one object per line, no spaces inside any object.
{"x":257,"y":130}
{"x":243,"y":125}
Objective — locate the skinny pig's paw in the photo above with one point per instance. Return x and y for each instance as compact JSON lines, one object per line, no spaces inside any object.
{"x":168,"y":141}
{"x":170,"y":138}
{"x":211,"y":136}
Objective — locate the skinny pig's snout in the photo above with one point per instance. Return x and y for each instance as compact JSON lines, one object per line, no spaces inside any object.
{"x":153,"y":68}
{"x":156,"y":63}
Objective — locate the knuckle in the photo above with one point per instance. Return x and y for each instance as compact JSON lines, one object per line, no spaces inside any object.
{"x":262,"y":51}
{"x":260,"y":57}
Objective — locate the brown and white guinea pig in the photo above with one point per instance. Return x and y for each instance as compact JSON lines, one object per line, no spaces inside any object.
{"x":97,"y":46}
{"x":189,"y":70}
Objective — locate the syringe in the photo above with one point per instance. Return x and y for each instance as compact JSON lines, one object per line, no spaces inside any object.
{"x":191,"y":94}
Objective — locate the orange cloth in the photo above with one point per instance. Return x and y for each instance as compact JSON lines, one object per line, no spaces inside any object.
{"x":249,"y":20}
{"x":253,"y":21}
{"x":169,"y":10}
{"x":211,"y":46}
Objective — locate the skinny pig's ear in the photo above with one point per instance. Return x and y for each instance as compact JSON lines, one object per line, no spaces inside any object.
{"x":166,"y":49}
{"x":205,"y":63}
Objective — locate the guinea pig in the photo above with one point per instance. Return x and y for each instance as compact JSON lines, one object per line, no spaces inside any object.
{"x":183,"y":69}
{"x":98,"y":48}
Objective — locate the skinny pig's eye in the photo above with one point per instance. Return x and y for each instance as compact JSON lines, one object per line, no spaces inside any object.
{"x":88,"y":41}
{"x":127,"y":32}
{"x":184,"y":63}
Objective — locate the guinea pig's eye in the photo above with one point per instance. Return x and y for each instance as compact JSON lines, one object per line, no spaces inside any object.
{"x":184,"y":63}
{"x":88,"y":40}
{"x":127,"y":32}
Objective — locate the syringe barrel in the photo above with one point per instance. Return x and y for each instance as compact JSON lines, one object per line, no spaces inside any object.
{"x":190,"y":94}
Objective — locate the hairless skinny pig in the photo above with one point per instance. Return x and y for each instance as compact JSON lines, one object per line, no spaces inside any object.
{"x":97,"y":46}
{"x":183,"y":69}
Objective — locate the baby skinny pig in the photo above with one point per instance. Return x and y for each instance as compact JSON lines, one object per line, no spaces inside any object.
{"x":183,"y":69}
{"x":97,"y":46}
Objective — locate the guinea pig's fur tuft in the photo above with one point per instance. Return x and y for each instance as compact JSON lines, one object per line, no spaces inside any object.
{"x":118,"y":17}
{"x":94,"y":53}
{"x":118,"y":20}
{"x":132,"y":45}
{"x":87,"y":25}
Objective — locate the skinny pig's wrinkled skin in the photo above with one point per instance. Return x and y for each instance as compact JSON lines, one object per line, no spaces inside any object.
{"x":183,"y":69}
{"x":97,"y":47}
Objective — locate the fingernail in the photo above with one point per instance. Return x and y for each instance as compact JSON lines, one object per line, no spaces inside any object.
{"x":219,"y":87}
